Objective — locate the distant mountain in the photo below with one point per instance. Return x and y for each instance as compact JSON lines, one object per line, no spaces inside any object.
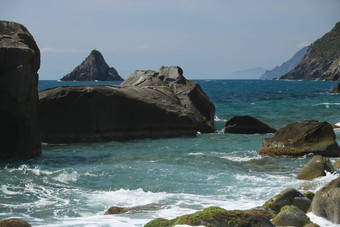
{"x":285,"y":67}
{"x":322,"y":60}
{"x":253,"y":73}
{"x":93,"y":68}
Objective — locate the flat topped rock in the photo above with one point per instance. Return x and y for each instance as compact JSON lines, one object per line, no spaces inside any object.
{"x":93,"y":68}
{"x":247,"y":125}
{"x":302,"y":138}
{"x":189,"y":93}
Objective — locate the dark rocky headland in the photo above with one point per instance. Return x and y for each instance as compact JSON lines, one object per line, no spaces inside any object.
{"x":19,"y":119}
{"x":93,"y":68}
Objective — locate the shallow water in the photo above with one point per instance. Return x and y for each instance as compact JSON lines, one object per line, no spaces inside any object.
{"x":73,"y":185}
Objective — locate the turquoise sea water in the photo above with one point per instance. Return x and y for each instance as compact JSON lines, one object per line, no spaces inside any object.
{"x":73,"y":185}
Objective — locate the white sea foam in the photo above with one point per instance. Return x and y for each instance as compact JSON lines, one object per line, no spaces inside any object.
{"x":328,"y":104}
{"x":242,"y":159}
{"x":218,"y":119}
{"x":321,"y":221}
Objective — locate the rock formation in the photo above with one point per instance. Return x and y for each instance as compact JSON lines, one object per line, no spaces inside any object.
{"x":101,"y":113}
{"x":93,"y":68}
{"x":19,"y":119}
{"x":336,"y":89}
{"x":316,"y":167}
{"x":302,"y":138}
{"x":326,"y":201}
{"x":285,"y":67}
{"x":291,"y":216}
{"x":189,"y":93}
{"x":322,"y":60}
{"x":247,"y":125}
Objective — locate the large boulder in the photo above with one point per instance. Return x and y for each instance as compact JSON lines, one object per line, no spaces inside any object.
{"x":19,"y":119}
{"x":100,"y":113}
{"x":14,"y":222}
{"x":326,"y":201}
{"x":247,"y":125}
{"x":189,"y":93}
{"x":291,"y":216}
{"x":93,"y":68}
{"x":316,"y":167}
{"x":298,"y":139}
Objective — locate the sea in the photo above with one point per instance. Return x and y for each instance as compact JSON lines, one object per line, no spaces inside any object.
{"x":74,"y":184}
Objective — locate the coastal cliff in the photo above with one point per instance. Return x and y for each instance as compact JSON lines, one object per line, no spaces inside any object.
{"x":322,"y":60}
{"x":93,"y":68}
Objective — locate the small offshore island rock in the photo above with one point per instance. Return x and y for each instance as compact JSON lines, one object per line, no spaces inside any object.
{"x":322,"y":60}
{"x":298,"y":139}
{"x":19,"y":119}
{"x":336,"y":89}
{"x":93,"y":68}
{"x":247,"y":125}
{"x":189,"y":93}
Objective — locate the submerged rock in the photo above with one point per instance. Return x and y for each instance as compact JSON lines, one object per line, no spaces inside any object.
{"x":316,"y":167}
{"x":326,"y":201}
{"x":189,"y":93}
{"x":135,"y":209}
{"x":212,"y":216}
{"x":247,"y":125}
{"x":298,"y":139}
{"x":291,"y":216}
{"x":93,"y":68}
{"x":14,"y":222}
{"x":19,"y":119}
{"x":102,"y":113}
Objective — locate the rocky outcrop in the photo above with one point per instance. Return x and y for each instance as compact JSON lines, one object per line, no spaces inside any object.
{"x":302,"y":138}
{"x":322,"y":60}
{"x":285,"y":67}
{"x":93,"y":68}
{"x":212,"y":216}
{"x":291,"y":216}
{"x":14,"y":222}
{"x":19,"y":120}
{"x":100,"y":113}
{"x":247,"y":125}
{"x":326,"y":201}
{"x":336,"y":89}
{"x":189,"y":93}
{"x":316,"y":167}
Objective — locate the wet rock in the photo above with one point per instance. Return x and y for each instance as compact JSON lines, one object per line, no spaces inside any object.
{"x":14,"y":222}
{"x":316,"y":167}
{"x":247,"y":125}
{"x":189,"y":93}
{"x":100,"y":113}
{"x":298,"y":139}
{"x":255,"y":221}
{"x":135,"y":209}
{"x":291,"y":216}
{"x":19,"y":114}
{"x":326,"y":201}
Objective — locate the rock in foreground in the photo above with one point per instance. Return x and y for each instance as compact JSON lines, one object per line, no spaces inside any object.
{"x":102,"y":113}
{"x":189,"y":93}
{"x":93,"y":68}
{"x":14,"y":222}
{"x":302,"y":138}
{"x":247,"y":125}
{"x":326,"y":201}
{"x":19,"y":120}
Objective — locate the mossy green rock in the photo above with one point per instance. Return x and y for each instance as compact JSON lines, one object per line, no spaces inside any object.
{"x":212,"y":216}
{"x":291,"y":216}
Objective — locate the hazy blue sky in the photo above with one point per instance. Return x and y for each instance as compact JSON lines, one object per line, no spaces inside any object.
{"x":207,"y":38}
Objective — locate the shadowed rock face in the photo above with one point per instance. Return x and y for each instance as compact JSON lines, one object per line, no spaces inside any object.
{"x":100,"y":113}
{"x":19,"y":63}
{"x":93,"y":68}
{"x":189,"y":93}
{"x":316,"y":167}
{"x":302,"y":138}
{"x":336,"y":89}
{"x":247,"y":125}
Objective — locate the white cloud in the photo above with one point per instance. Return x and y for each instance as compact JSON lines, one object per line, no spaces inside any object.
{"x":303,"y":44}
{"x":143,"y":47}
{"x":56,"y":50}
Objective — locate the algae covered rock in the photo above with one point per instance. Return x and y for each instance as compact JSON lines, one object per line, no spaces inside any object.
{"x":298,"y":139}
{"x":247,"y":125}
{"x":291,"y":216}
{"x":212,"y":216}
{"x":316,"y":167}
{"x":326,"y":201}
{"x":14,"y":222}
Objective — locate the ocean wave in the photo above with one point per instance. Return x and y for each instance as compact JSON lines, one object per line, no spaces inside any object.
{"x":327,"y":104}
{"x":219,"y":119}
{"x":242,"y":159}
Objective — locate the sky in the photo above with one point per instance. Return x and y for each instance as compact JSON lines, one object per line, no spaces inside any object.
{"x":208,"y":39}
